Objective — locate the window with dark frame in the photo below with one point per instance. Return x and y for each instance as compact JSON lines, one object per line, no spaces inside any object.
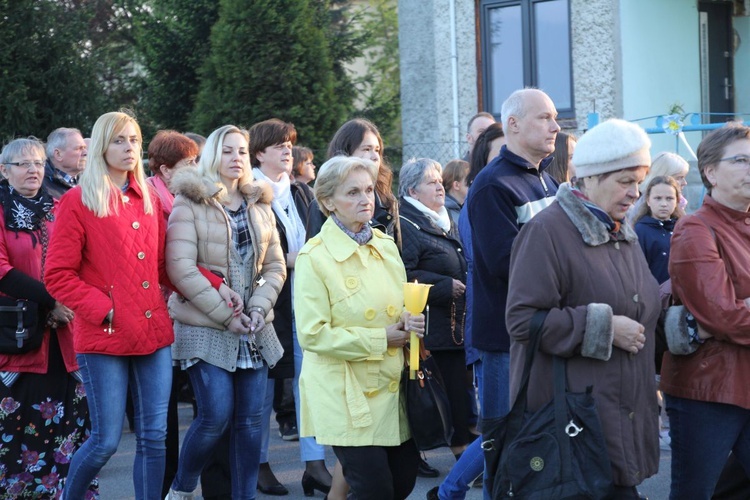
{"x":526,"y":43}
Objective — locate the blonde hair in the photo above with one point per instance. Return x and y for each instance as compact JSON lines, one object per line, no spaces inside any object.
{"x":210,"y":161}
{"x":335,"y":171}
{"x":98,"y":193}
{"x":665,"y":164}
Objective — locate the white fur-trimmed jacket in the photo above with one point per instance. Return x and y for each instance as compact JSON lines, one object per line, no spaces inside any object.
{"x":199,"y":234}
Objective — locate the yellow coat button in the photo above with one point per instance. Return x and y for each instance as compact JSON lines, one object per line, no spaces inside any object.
{"x":392,"y":351}
{"x":136,"y":225}
{"x":370,"y":313}
{"x":393,"y":386}
{"x":372,"y":394}
{"x":148,"y":314}
{"x":145,"y":284}
{"x":351,"y":282}
{"x":391,"y":310}
{"x":141,"y":255}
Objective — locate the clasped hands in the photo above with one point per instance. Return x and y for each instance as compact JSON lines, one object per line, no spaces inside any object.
{"x":241,"y":323}
{"x":397,"y":334}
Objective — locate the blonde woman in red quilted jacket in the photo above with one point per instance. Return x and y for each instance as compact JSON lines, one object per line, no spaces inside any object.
{"x":105,"y":261}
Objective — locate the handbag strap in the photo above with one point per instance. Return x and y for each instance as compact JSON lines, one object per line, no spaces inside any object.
{"x":561,"y":415}
{"x":516,"y":414}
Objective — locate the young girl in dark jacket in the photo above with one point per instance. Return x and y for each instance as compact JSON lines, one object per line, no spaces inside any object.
{"x":655,"y":222}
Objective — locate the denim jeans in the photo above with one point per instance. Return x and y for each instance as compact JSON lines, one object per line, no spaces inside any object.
{"x":494,"y":389}
{"x":265,"y":432}
{"x":471,"y":463}
{"x":225,"y":399}
{"x":702,"y":435}
{"x":309,"y":449}
{"x":106,"y":379}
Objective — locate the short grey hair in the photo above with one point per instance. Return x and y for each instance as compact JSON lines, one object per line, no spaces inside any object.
{"x":17,"y":147}
{"x":58,"y":139}
{"x":334,"y":172}
{"x":514,"y":105}
{"x":412,"y":173}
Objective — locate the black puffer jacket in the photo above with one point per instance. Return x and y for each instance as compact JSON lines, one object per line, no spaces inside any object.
{"x":433,"y":256}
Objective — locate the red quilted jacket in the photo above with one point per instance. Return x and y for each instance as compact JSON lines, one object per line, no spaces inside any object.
{"x":96,"y":264}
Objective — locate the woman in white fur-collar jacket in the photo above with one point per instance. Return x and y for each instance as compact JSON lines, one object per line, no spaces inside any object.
{"x":222,"y":221}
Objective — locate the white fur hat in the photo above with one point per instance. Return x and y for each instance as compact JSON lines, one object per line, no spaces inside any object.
{"x":611,"y":146}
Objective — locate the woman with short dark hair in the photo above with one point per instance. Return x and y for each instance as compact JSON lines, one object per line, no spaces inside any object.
{"x":706,"y":393}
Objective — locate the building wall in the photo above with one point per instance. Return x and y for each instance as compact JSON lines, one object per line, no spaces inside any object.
{"x":660,"y":63}
{"x":742,"y":67}
{"x":597,"y":76}
{"x":426,"y":76}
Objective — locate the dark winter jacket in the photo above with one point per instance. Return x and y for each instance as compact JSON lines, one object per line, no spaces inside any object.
{"x":505,"y":195}
{"x":55,"y":182}
{"x":432,"y":256}
{"x":565,"y":261}
{"x":283,"y":315}
{"x":655,"y":235}
{"x":453,"y":207}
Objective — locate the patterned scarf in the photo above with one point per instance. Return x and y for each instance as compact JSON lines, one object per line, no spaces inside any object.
{"x":613,"y":226}
{"x":26,"y":214}
{"x":362,"y":237}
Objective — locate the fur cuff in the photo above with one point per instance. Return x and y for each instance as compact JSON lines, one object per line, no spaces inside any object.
{"x":676,"y":330}
{"x":597,"y":339}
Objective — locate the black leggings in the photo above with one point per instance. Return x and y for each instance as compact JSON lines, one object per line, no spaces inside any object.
{"x":379,"y":472}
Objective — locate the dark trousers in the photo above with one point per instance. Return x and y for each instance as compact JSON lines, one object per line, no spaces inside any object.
{"x":734,"y":483}
{"x":283,"y":402}
{"x":703,"y":434}
{"x":379,"y":472}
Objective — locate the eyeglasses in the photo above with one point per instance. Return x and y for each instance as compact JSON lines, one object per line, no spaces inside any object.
{"x":27,"y":164}
{"x":741,"y":160}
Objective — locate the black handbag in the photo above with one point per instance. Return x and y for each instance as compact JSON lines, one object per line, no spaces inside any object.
{"x":556,"y":452}
{"x":427,"y":408}
{"x":21,"y":326}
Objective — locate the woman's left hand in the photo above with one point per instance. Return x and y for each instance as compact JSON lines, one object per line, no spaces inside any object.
{"x":257,"y":321}
{"x":413,"y":323}
{"x":232,"y":299}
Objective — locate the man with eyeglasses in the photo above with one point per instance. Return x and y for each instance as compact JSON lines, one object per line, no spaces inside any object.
{"x":66,"y":159}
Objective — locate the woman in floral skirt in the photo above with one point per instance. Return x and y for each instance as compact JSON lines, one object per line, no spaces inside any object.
{"x":43,"y":409}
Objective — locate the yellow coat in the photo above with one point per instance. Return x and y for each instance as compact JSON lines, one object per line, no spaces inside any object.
{"x":345,"y":295}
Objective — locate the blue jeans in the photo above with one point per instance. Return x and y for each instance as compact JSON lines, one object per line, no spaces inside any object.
{"x":106,"y":379}
{"x":265,"y":432}
{"x":702,"y":435}
{"x":233,"y":399}
{"x":309,"y":449}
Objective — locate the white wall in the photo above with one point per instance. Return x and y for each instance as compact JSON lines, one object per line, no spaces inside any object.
{"x":742,"y":67}
{"x":660,"y":62}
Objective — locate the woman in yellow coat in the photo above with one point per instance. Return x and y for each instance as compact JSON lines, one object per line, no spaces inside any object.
{"x":349,"y":306}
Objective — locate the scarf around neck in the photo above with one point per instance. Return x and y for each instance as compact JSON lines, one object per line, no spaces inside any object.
{"x":361,"y":237}
{"x":613,"y":226}
{"x":440,"y":218}
{"x":285,"y":210}
{"x":25,"y":214}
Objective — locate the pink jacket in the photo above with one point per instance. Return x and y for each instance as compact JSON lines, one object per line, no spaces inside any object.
{"x":97,"y":264}
{"x":18,"y":252}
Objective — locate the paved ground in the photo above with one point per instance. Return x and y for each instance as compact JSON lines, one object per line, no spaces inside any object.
{"x":116,"y":477}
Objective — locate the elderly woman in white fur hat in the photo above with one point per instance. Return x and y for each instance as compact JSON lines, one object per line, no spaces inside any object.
{"x":581,"y":260}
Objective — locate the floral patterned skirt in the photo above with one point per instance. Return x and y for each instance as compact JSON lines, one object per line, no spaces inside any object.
{"x":44,"y":419}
